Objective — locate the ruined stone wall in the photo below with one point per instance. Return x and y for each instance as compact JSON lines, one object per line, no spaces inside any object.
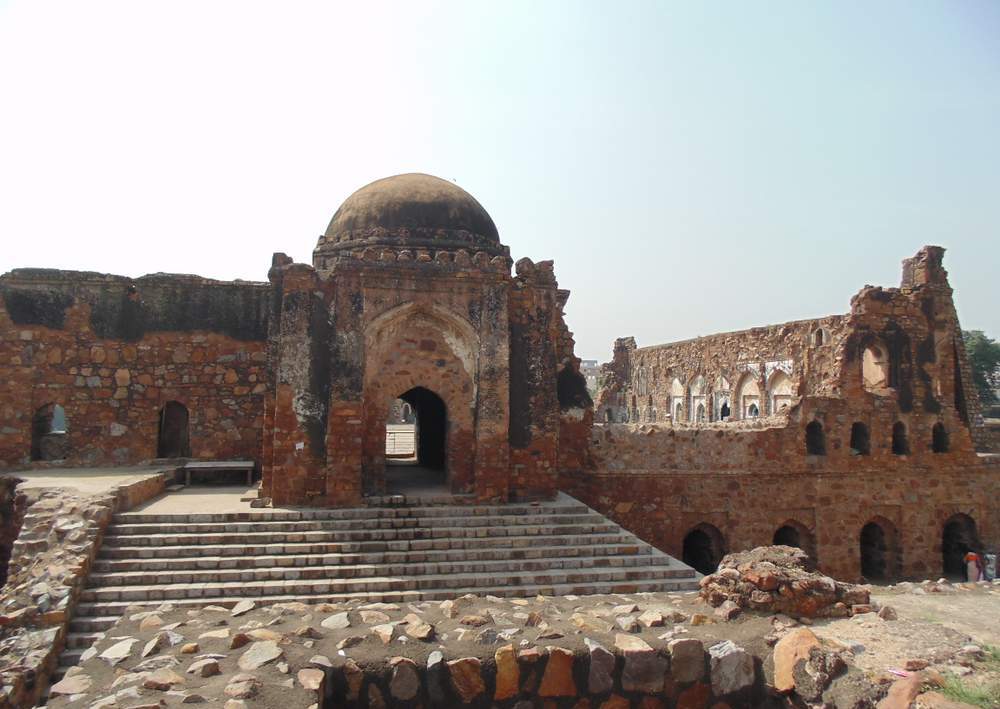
{"x":112,"y":351}
{"x":878,"y":427}
{"x":646,"y":384}
{"x":12,"y":508}
{"x":534,"y":406}
{"x":60,"y":532}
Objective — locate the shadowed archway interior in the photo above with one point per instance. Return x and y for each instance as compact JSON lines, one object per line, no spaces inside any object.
{"x":428,"y":465}
{"x":173,"y":436}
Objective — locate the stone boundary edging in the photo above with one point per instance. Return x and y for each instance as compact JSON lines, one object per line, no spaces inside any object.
{"x":630,"y":673}
{"x":51,"y":557}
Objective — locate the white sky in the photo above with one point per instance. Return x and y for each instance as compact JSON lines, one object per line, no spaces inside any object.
{"x":690,"y":168}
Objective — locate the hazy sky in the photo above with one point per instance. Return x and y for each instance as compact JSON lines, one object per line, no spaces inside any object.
{"x":691,"y":167}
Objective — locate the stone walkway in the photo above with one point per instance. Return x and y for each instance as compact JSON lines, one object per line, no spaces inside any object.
{"x":88,"y":481}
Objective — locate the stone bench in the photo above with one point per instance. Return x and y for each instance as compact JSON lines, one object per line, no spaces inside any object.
{"x":217,"y":466}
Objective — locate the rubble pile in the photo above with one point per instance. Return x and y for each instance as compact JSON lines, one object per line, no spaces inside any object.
{"x":781,"y":579}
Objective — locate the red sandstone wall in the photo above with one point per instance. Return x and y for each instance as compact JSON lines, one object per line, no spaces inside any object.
{"x":112,"y":390}
{"x":747,"y":508}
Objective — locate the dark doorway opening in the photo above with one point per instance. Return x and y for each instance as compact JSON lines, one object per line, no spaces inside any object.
{"x":900,"y":442}
{"x":703,"y":548}
{"x":957,"y":539}
{"x":939,"y":438}
{"x":788,"y":536}
{"x":173,"y":438}
{"x":795,"y":534}
{"x":426,"y":467}
{"x":724,"y":411}
{"x":878,"y":552}
{"x":860,"y":440}
{"x":815,"y":439}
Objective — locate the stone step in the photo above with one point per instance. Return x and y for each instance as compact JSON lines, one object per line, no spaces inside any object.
{"x":495,"y":521}
{"x":267,"y":561}
{"x":85,"y":624}
{"x":369,"y":584}
{"x":109,"y":612}
{"x":402,"y":545}
{"x":69,"y":658}
{"x":356,"y":571}
{"x":512,"y":510}
{"x":81,"y":641}
{"x":114,"y":540}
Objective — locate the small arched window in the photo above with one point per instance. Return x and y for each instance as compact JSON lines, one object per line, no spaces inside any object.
{"x":900,"y":442}
{"x":815,"y":439}
{"x":860,"y":440}
{"x":820,"y":337}
{"x":939,"y":438}
{"x":752,"y":411}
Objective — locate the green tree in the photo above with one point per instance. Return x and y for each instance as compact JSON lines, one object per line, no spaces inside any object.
{"x":984,"y":358}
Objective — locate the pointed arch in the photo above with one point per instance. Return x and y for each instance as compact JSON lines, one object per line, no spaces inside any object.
{"x":793,"y":533}
{"x":860,"y":439}
{"x":779,"y":391}
{"x":457,"y":332}
{"x":747,"y":396}
{"x":703,"y":548}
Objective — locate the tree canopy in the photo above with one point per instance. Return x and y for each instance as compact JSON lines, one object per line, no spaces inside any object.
{"x":984,"y":358}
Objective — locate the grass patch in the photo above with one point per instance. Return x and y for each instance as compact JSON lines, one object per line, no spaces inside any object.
{"x":986,"y":696}
{"x":992,"y":655}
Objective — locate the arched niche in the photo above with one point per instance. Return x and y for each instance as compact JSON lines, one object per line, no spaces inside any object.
{"x":173,"y":438}
{"x":703,"y":548}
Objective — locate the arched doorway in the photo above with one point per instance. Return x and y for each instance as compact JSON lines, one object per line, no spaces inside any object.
{"x":879,"y":551}
{"x":48,"y":433}
{"x":704,"y":548}
{"x":958,"y":537}
{"x":426,"y":465}
{"x":794,"y":534}
{"x":173,"y":438}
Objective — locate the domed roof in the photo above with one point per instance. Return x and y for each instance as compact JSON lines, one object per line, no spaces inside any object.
{"x":411,"y":210}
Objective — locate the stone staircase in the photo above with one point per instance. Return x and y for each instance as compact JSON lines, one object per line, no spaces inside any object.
{"x":386,"y":553}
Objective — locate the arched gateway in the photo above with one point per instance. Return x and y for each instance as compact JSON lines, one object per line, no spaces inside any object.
{"x":411,"y":296}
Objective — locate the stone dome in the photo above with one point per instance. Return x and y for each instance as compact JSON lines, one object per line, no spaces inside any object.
{"x":411,"y":211}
